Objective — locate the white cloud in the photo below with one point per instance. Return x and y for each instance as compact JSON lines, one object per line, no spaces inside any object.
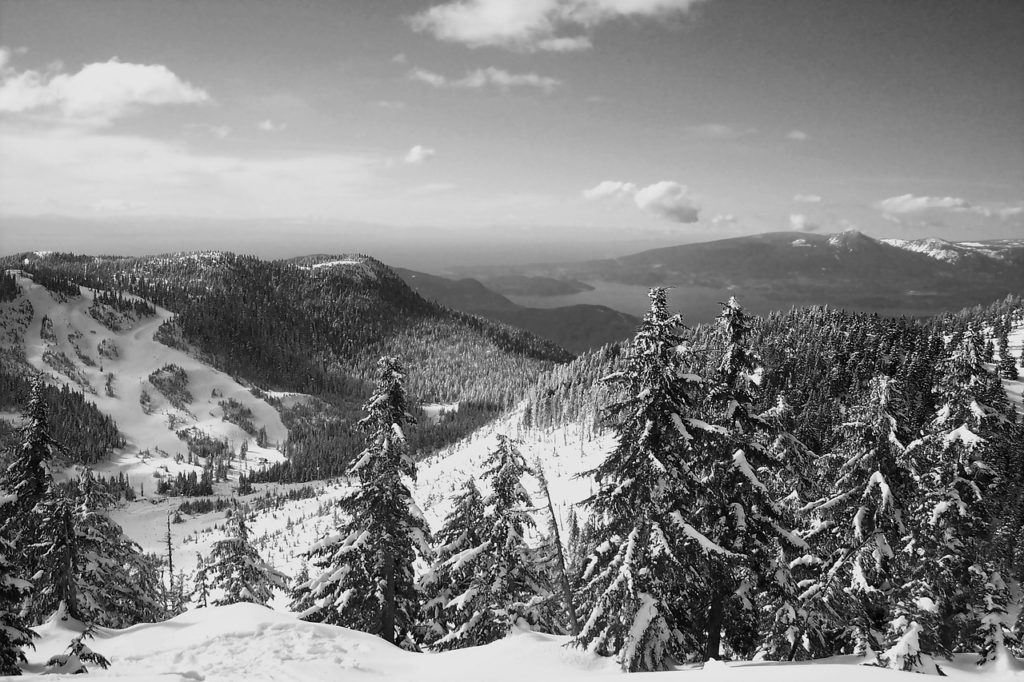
{"x":669,"y":200}
{"x":807,"y":199}
{"x":717,"y":131}
{"x":610,"y":189}
{"x":801,"y":223}
{"x":797,"y":135}
{"x":399,"y":58}
{"x":910,"y":204}
{"x":97,"y":94}
{"x":433,"y":188}
{"x":724,"y":219}
{"x":418,"y":154}
{"x":269,"y":126}
{"x":535,"y":25}
{"x":482,"y":78}
{"x":76,"y":171}
{"x":666,"y":199}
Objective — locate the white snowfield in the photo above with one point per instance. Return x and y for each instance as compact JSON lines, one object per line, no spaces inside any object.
{"x":76,"y":333}
{"x":248,"y":643}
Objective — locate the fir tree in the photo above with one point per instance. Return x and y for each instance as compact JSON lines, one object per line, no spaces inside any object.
{"x":501,"y":583}
{"x":635,"y":579}
{"x":27,"y":477}
{"x":862,"y":522}
{"x":450,"y":575}
{"x":201,"y":591}
{"x":56,"y":554}
{"x":1007,"y":367}
{"x":237,"y":570}
{"x":366,"y":580}
{"x":15,"y":634}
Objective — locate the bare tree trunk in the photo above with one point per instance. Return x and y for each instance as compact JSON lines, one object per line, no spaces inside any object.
{"x":570,"y":608}
{"x":169,"y":606}
{"x":387,"y":620}
{"x":715,"y":616}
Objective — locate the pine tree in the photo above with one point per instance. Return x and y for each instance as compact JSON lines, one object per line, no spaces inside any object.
{"x":56,"y":554}
{"x":736,"y":510}
{"x":201,"y":591}
{"x":450,"y":575}
{"x":636,"y":577}
{"x":15,"y":634}
{"x":504,"y":584}
{"x":861,"y":523}
{"x":27,"y":477}
{"x":237,"y":570}
{"x":366,"y":580}
{"x":1007,"y":367}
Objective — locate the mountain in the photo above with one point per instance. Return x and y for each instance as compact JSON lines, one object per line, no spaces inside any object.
{"x":780,"y":269}
{"x":228,"y":327}
{"x":575,"y":327}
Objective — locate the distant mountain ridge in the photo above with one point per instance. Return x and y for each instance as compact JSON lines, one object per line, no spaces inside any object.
{"x":780,"y":269}
{"x":575,"y":328}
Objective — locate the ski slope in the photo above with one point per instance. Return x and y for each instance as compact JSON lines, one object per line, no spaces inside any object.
{"x":77,"y":335}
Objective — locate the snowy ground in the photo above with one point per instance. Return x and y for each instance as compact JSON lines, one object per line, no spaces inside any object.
{"x":250,"y":643}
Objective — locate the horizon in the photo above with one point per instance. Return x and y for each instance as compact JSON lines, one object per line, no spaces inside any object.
{"x":451,"y":132}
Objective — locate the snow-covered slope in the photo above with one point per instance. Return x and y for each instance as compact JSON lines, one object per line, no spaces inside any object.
{"x":77,"y":350}
{"x":248,"y":643}
{"x":953,"y":252}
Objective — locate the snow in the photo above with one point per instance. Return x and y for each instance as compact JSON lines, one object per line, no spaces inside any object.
{"x":964,"y":435}
{"x":249,"y":643}
{"x":333,"y":263}
{"x":434,"y":411}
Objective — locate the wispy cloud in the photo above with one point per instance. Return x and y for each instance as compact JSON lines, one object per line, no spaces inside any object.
{"x":488,"y":77}
{"x":914,"y":205}
{"x":717,"y":131}
{"x":418,"y":154}
{"x":667,"y":199}
{"x":801,"y":223}
{"x":98,"y":94}
{"x":535,"y":25}
{"x":807,"y":199}
{"x":269,"y":126}
{"x":797,"y":136}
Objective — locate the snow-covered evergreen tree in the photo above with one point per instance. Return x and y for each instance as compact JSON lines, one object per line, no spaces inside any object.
{"x":737,"y":511}
{"x":365,"y":578}
{"x":636,"y":580}
{"x":201,"y":581}
{"x":57,"y":557}
{"x":504,"y":582}
{"x":15,"y":635}
{"x":860,"y":526}
{"x":449,"y":575}
{"x":238,"y":572}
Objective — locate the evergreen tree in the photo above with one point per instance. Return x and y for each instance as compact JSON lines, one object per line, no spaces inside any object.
{"x":504,"y":582}
{"x":237,"y":570}
{"x":15,"y":634}
{"x":451,"y":575}
{"x":736,"y":511}
{"x":1007,"y":367}
{"x":861,"y":524}
{"x":201,"y":591}
{"x":636,"y":577}
{"x":27,"y":477}
{"x":56,"y":554}
{"x":366,"y":580}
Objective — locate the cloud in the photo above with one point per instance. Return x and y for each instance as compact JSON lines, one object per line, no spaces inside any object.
{"x":418,"y":154}
{"x":97,"y":94}
{"x":269,"y":126}
{"x":482,"y":78}
{"x":669,"y":200}
{"x":535,"y":25}
{"x":399,"y":58}
{"x":610,"y":189}
{"x":913,"y":205}
{"x":433,"y":188}
{"x":797,"y":135}
{"x":76,"y":170}
{"x":716,"y":131}
{"x":807,"y":198}
{"x":724,"y":219}
{"x":801,"y":223}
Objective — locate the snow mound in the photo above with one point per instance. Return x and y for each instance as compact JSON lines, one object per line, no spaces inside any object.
{"x":249,"y":643}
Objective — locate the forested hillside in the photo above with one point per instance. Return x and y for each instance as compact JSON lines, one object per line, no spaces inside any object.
{"x":315,"y":326}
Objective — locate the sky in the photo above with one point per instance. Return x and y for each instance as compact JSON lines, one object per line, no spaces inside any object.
{"x":447,"y":131}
